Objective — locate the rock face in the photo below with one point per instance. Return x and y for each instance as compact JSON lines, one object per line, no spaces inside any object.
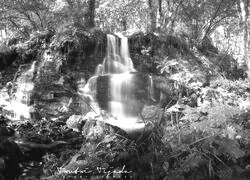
{"x":152,"y":113}
{"x":57,"y":62}
{"x":45,"y":84}
{"x":7,"y":58}
{"x":102,"y":148}
{"x":74,"y":122}
{"x":10,"y":154}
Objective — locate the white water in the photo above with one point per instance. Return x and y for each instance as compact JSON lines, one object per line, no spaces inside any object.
{"x":25,"y":85}
{"x":99,"y":70}
{"x":124,"y":51}
{"x":117,"y":60}
{"x":119,"y":82}
{"x":118,"y":65}
{"x":151,"y":88}
{"x":21,"y":101}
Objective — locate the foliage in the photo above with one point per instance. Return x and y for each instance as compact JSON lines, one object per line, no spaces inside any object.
{"x":196,"y":20}
{"x":198,"y":142}
{"x":204,"y":16}
{"x":239,"y":87}
{"x":122,"y":15}
{"x":26,"y":16}
{"x":207,"y":140}
{"x":180,"y":70}
{"x":204,"y":142}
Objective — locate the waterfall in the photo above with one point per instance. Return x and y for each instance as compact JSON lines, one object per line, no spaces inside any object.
{"x":99,"y":70}
{"x":116,"y":74}
{"x":117,"y":60}
{"x":124,"y":51}
{"x":21,"y":101}
{"x":25,"y":85}
{"x":151,"y":89}
{"x":118,"y":83}
{"x":119,"y":64}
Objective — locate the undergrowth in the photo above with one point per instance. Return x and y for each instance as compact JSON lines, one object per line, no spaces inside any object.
{"x":206,"y":142}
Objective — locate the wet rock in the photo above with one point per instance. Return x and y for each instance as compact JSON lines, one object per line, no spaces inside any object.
{"x":6,"y":132}
{"x":10,"y":155}
{"x":95,"y":130}
{"x":7,"y":58}
{"x":80,"y":105}
{"x":100,"y":150}
{"x":58,"y":101}
{"x":97,"y":125}
{"x":152,"y":113}
{"x":75,"y":122}
{"x":84,"y":160}
{"x":2,"y":166}
{"x":243,"y":119}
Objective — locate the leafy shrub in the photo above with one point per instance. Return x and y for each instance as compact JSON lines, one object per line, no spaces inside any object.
{"x":204,"y":141}
{"x":239,"y":87}
{"x":169,"y":66}
{"x":4,"y":48}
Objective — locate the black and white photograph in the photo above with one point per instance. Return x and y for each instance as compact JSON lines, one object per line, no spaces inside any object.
{"x":124,"y":89}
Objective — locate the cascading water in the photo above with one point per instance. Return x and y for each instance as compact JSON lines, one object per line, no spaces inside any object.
{"x":118,"y":83}
{"x":118,"y":68}
{"x":117,"y":61}
{"x":124,"y":51}
{"x":25,"y":85}
{"x":151,"y":88}
{"x":121,"y":62}
{"x":19,"y":104}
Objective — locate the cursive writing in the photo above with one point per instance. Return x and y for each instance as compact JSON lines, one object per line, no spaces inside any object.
{"x":97,"y":170}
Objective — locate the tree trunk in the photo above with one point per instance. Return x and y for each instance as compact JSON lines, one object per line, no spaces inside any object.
{"x":25,"y":33}
{"x":153,"y":14}
{"x":243,"y":6}
{"x":208,"y":30}
{"x":246,"y":36}
{"x":90,"y":14}
{"x":6,"y":31}
{"x":124,"y":24}
{"x":160,"y":8}
{"x":161,"y":16}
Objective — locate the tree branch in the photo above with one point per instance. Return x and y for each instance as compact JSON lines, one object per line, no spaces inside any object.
{"x":18,"y":27}
{"x":210,"y":22}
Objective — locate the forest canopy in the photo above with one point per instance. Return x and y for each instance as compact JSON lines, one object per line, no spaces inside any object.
{"x":225,"y":21}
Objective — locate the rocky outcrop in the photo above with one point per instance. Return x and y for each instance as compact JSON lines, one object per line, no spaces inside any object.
{"x":105,"y":145}
{"x":10,"y":154}
{"x":47,"y":73}
{"x":7,"y":58}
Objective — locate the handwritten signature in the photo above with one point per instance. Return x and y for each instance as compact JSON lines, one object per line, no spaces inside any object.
{"x":99,"y":170}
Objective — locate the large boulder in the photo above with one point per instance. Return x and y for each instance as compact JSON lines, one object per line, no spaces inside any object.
{"x":152,"y":113}
{"x":74,"y":122}
{"x":104,"y":145}
{"x":7,"y":57}
{"x":10,"y":155}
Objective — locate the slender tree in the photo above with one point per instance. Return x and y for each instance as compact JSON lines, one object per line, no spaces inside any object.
{"x":244,"y":4}
{"x":90,"y":14}
{"x":153,"y":14}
